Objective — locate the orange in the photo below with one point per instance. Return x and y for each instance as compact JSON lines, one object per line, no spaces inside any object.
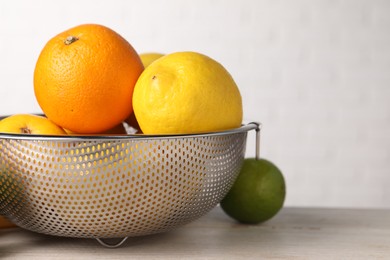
{"x":84,"y":78}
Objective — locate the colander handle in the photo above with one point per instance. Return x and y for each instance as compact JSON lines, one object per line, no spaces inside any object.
{"x":257,"y":127}
{"x":111,"y":245}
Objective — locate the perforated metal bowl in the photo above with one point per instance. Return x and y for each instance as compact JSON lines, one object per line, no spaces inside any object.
{"x":116,"y":186}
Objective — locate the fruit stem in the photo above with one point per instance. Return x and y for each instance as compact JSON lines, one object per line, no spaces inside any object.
{"x":70,"y":39}
{"x":25,"y":130}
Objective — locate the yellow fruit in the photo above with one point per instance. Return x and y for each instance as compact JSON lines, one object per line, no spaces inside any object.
{"x":29,"y":124}
{"x":149,"y":57}
{"x":186,"y":92}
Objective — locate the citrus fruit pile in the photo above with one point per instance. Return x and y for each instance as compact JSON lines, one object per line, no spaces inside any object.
{"x":90,"y":80}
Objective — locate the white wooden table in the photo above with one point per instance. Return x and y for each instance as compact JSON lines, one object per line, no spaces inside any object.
{"x":295,"y":233}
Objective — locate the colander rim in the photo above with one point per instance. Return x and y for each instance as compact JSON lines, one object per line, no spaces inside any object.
{"x":243,"y":128}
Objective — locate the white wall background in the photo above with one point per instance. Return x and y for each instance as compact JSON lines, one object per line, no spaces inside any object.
{"x":316,"y":73}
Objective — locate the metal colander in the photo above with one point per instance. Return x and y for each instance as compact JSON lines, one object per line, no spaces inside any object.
{"x":116,"y":186}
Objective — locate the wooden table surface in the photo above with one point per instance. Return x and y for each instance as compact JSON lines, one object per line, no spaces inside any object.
{"x":295,"y":233}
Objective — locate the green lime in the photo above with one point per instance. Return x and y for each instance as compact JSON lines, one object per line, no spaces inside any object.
{"x":257,"y":194}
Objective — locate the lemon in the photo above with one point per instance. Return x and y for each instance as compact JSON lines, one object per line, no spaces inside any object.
{"x":257,"y":194}
{"x":148,"y":57}
{"x":186,"y":92}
